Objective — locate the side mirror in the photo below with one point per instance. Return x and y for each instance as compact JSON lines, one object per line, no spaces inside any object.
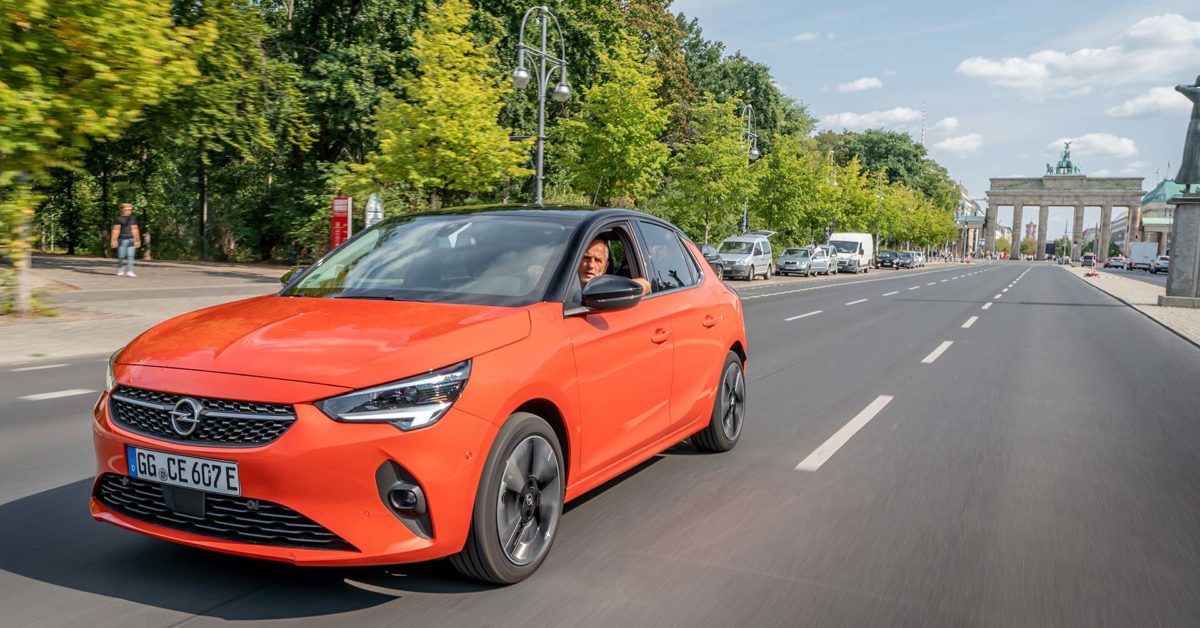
{"x":607,"y":293}
{"x":290,"y":273}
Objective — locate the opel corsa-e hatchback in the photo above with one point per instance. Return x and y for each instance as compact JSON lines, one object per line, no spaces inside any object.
{"x":440,"y":385}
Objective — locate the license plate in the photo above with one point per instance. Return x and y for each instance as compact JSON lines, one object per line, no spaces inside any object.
{"x":213,"y":476}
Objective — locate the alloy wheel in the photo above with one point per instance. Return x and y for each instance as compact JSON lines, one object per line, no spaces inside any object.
{"x":733,"y":401}
{"x":529,"y":503}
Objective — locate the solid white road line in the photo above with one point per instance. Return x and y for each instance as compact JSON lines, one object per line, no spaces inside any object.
{"x":823,"y":453}
{"x":55,"y":395}
{"x":986,"y":305}
{"x":891,"y":293}
{"x":856,"y":302}
{"x":937,"y":352}
{"x":36,"y":368}
{"x":804,"y":315}
{"x":970,"y":321}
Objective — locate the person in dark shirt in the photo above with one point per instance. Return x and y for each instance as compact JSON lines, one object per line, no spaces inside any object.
{"x":126,"y":239}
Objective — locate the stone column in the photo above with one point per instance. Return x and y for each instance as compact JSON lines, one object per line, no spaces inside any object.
{"x":1132,"y":225}
{"x":989,"y":228}
{"x":1183,"y":280}
{"x":1077,"y":234}
{"x":1105,"y":235}
{"x":1043,"y":225}
{"x":1017,"y":232}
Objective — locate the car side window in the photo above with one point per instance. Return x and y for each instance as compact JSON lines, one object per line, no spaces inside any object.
{"x":670,"y":268}
{"x":757,"y":250}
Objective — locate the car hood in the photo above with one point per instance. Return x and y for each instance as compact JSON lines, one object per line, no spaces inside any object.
{"x":734,"y":257}
{"x":353,"y":343}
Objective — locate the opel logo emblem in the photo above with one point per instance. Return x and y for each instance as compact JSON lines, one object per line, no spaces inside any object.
{"x":185,"y":416}
{"x":528,"y":499}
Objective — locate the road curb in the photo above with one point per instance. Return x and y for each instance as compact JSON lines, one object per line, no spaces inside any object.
{"x":1137,"y":309}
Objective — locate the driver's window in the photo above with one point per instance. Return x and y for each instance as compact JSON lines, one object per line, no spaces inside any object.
{"x":757,"y":250}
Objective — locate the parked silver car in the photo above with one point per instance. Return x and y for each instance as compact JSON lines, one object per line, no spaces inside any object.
{"x":805,"y":261}
{"x":1161,"y":264}
{"x":747,"y":256}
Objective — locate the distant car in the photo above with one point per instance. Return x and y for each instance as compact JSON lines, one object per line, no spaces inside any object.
{"x":906,"y":260}
{"x":1161,"y":264}
{"x":1115,"y":261}
{"x":747,"y":256}
{"x":887,"y":259}
{"x":714,"y":259}
{"x":1088,"y":262}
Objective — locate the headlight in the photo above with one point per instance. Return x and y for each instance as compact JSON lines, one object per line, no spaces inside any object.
{"x":110,"y":380}
{"x":407,"y":404}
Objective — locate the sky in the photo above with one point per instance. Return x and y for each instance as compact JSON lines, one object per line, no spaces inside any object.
{"x":998,"y":85}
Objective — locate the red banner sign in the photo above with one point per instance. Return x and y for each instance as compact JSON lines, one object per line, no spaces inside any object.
{"x":341,"y":220}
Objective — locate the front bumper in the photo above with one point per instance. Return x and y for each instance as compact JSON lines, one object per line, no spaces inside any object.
{"x":326,"y":471}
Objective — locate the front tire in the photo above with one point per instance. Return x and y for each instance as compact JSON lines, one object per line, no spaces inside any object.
{"x":729,"y":409}
{"x":518,"y":503}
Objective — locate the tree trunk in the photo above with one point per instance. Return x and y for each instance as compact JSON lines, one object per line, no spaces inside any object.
{"x":105,"y":210}
{"x":72,"y":214}
{"x":19,"y":249}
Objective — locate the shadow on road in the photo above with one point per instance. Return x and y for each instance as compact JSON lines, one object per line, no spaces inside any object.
{"x":50,"y":537}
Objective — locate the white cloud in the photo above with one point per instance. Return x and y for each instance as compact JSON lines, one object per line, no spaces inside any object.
{"x":1103,"y":172}
{"x":803,"y":37}
{"x":1135,"y":168}
{"x":1157,"y":100}
{"x":861,"y":85}
{"x":961,"y":145}
{"x":946,"y":125}
{"x":1153,"y":49}
{"x":871,"y":119}
{"x":1105,"y":144}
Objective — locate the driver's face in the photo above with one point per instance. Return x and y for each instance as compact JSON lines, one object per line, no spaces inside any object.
{"x":594,"y":262}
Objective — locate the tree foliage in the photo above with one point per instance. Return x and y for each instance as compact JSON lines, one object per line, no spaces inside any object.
{"x":618,"y":130}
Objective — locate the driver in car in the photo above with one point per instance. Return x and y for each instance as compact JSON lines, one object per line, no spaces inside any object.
{"x":595,"y":263}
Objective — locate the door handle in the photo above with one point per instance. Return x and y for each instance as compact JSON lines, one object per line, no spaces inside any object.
{"x":660,"y":336}
{"x":709,"y":321}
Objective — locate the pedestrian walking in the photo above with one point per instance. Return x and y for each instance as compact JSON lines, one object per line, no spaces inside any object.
{"x":126,"y":239}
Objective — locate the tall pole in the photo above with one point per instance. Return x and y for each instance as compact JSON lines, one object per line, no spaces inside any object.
{"x":546,"y":66}
{"x":752,"y":152}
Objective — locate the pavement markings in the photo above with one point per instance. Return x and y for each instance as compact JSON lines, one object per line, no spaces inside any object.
{"x":970,"y":321}
{"x":1004,"y":290}
{"x":986,"y":305}
{"x":891,"y":293}
{"x":804,"y":315}
{"x":914,"y":287}
{"x":931,"y":283}
{"x":823,"y":453}
{"x":55,"y":395}
{"x":937,"y":353}
{"x":857,"y":302}
{"x":36,"y":368}
{"x":944,"y":280}
{"x":997,"y":296}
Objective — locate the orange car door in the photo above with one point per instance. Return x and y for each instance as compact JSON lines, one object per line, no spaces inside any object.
{"x":696,"y":322}
{"x":624,"y":365}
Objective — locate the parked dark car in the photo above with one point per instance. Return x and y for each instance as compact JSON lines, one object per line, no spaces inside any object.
{"x":905,"y":260}
{"x":887,"y":259}
{"x":714,"y":259}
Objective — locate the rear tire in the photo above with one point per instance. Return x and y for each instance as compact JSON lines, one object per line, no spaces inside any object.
{"x":729,"y":409}
{"x":522,"y":486}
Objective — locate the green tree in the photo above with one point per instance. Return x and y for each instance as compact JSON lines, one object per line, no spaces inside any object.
{"x":794,"y":194}
{"x":75,"y":71}
{"x":1028,"y":246}
{"x":443,"y":134}
{"x":1003,"y":245}
{"x":710,"y":174}
{"x":620,"y":157}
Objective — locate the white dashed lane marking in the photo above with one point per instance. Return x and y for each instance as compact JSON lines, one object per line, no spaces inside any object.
{"x":803,"y":315}
{"x":823,"y":453}
{"x":937,"y":352}
{"x":55,"y":395}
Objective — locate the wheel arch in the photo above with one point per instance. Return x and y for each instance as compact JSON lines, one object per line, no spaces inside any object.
{"x":550,"y":413}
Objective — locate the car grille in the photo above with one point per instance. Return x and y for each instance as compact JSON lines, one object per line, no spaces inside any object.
{"x":230,"y":518}
{"x":223,"y":423}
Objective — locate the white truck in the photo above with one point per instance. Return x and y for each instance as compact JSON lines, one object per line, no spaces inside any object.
{"x":1142,"y":254}
{"x":855,"y":251}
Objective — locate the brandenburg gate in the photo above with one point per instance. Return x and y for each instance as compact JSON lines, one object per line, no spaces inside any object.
{"x":1064,"y":185}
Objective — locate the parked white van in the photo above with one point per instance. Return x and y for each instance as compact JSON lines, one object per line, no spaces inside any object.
{"x":855,"y":251}
{"x":748,"y":255}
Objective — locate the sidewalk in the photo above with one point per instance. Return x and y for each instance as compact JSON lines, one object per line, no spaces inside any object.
{"x":100,"y":312}
{"x":1143,"y":297}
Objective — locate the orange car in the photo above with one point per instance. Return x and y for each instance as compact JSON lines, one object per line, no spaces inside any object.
{"x":440,"y":385}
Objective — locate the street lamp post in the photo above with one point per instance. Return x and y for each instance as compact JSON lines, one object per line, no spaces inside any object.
{"x":546,"y":65}
{"x":751,"y":138}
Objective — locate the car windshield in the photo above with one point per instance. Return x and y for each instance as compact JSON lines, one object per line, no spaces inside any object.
{"x":905,"y":256}
{"x":796,"y":252}
{"x":734,"y":246}
{"x":844,"y":247}
{"x":474,"y":259}
{"x":886,"y":255}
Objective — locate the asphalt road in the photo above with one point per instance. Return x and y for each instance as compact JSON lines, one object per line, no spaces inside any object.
{"x":1035,"y":463}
